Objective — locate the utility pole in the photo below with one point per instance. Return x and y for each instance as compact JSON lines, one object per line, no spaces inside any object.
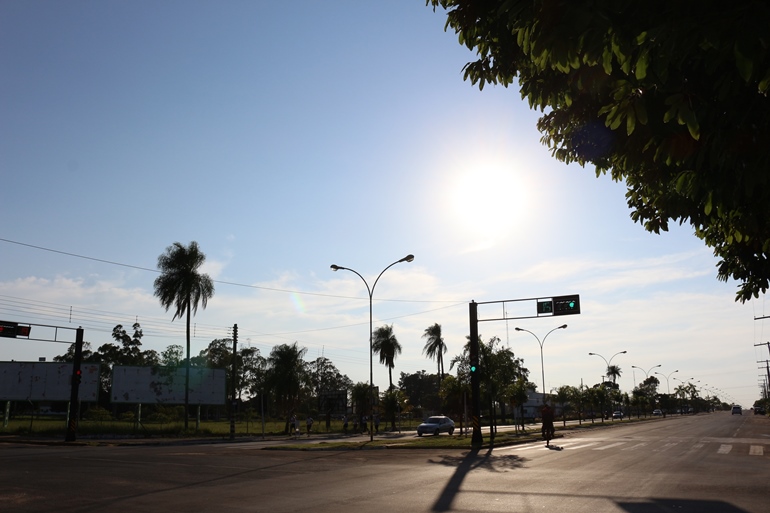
{"x":233,"y":381}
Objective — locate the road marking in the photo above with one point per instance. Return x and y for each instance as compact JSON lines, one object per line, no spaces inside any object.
{"x":608,"y":446}
{"x":665,"y":447}
{"x":756,"y":450}
{"x":724,"y":449}
{"x":582,"y":446}
{"x":634,"y":447}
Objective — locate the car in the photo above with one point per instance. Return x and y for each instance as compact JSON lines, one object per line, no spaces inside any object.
{"x":617,"y":415}
{"x":657,"y":412}
{"x":737,"y":410}
{"x":759,"y":410}
{"x":435,"y":425}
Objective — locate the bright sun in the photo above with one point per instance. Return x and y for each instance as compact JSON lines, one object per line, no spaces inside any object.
{"x":489,"y":204}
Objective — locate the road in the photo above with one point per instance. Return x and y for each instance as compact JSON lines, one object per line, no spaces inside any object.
{"x":704,"y":463}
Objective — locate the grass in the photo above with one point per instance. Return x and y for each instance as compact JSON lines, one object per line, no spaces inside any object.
{"x":43,"y":427}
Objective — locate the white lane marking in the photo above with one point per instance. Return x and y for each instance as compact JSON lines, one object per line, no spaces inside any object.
{"x":608,"y":446}
{"x":634,"y":447}
{"x":724,"y":449}
{"x":581,"y":446}
{"x":756,"y":450}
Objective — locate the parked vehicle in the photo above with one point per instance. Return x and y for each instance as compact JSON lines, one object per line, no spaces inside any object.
{"x":657,"y":413}
{"x":617,"y":415}
{"x":759,"y":410}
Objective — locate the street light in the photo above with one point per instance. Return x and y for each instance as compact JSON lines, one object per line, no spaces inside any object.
{"x":667,"y":385}
{"x":646,"y":373}
{"x":407,"y":258}
{"x":605,"y":360}
{"x":542,"y":367}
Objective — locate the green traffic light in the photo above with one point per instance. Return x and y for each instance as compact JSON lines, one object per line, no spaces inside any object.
{"x":473,"y":368}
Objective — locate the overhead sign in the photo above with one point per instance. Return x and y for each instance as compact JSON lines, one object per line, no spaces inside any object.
{"x":12,"y":330}
{"x":559,"y":305}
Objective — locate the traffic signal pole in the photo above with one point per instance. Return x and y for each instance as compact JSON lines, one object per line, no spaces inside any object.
{"x":477,"y":440}
{"x":72,"y":425}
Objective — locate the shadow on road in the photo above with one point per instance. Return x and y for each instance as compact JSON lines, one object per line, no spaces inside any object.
{"x":464,"y":464}
{"x":680,"y":506}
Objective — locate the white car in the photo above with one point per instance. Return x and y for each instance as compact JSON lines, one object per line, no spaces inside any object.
{"x":435,"y":425}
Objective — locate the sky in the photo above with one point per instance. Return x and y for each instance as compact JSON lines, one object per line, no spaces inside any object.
{"x":285,"y":137}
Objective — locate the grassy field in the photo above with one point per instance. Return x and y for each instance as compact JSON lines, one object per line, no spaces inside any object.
{"x":42,"y":426}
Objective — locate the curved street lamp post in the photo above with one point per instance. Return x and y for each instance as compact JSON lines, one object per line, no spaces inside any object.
{"x":407,"y":258}
{"x":542,"y":367}
{"x":605,"y":360}
{"x":668,"y":387}
{"x":608,"y":367}
{"x":646,"y":373}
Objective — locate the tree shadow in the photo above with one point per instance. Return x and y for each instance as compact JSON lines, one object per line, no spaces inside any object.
{"x":653,"y":505}
{"x":464,"y":464}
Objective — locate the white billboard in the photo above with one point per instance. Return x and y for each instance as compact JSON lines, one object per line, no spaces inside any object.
{"x":165,"y":385}
{"x":46,"y":381}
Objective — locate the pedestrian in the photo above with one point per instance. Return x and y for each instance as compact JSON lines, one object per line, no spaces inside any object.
{"x":309,"y":423}
{"x":345,"y":424}
{"x":376,"y":423}
{"x":296,"y":426}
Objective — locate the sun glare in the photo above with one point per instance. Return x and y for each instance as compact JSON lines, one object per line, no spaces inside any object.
{"x":489,"y":204}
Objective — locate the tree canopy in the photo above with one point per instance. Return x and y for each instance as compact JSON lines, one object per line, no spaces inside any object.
{"x":669,"y":97}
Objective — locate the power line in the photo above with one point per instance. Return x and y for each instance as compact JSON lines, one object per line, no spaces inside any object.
{"x":233,"y":284}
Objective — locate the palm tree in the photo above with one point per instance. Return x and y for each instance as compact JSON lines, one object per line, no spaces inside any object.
{"x":614,"y":372}
{"x":182,"y":286}
{"x":435,"y":348}
{"x":386,"y":345}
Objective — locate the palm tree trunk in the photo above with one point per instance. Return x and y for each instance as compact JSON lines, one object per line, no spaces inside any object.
{"x":187,"y":371}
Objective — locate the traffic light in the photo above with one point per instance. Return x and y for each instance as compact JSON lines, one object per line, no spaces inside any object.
{"x":235,"y":332}
{"x":13,"y":330}
{"x":566,"y":305}
{"x":77,"y":377}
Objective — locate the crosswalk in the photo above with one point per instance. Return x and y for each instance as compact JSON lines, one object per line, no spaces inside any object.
{"x":576,"y":444}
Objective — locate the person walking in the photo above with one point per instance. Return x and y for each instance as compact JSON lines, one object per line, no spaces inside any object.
{"x":309,"y":423}
{"x":546,"y":415}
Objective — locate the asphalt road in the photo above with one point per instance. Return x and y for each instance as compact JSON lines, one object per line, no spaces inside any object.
{"x":705,"y":463}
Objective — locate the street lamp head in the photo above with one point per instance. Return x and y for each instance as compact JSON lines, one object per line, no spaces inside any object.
{"x":592,"y":354}
{"x":562,"y":327}
{"x":623,"y":352}
{"x":335,"y":267}
{"x":518,"y":329}
{"x":407,"y":258}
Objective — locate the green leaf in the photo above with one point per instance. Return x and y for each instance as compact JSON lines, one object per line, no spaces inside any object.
{"x":744,"y":64}
{"x":641,"y":66}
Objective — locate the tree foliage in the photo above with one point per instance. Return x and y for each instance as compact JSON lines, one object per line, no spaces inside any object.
{"x":386,"y":345}
{"x":669,"y":97}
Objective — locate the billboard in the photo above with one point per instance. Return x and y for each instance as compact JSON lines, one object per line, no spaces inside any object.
{"x":46,"y":381}
{"x":165,"y":385}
